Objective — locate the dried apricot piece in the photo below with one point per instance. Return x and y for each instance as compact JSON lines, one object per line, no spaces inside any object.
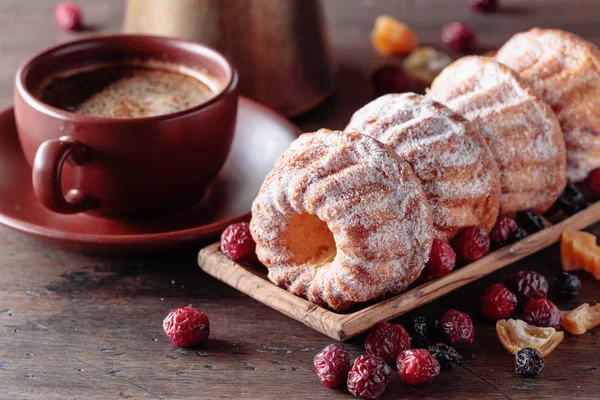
{"x":578,"y":250}
{"x":392,"y":37}
{"x":517,"y":334}
{"x":425,"y":63}
{"x":581,"y":319}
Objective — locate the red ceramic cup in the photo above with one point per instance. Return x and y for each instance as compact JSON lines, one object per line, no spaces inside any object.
{"x":124,"y":167}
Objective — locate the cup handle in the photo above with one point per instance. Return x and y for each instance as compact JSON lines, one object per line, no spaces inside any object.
{"x":46,"y":175}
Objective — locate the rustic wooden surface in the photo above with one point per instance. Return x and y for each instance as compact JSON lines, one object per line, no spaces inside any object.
{"x":251,"y":279}
{"x":76,"y":326}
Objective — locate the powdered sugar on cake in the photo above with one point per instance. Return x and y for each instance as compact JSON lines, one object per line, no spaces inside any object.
{"x":520,"y":128}
{"x":458,"y":172}
{"x":353,"y":190}
{"x":565,"y":70}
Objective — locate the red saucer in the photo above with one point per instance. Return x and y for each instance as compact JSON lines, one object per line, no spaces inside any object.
{"x":261,"y":136}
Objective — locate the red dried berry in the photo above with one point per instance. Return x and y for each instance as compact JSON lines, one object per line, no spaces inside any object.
{"x":501,"y":232}
{"x":68,"y":16}
{"x":441,"y":260}
{"x":389,"y":79}
{"x":484,"y":5}
{"x":459,"y":37}
{"x":387,"y":341}
{"x":593,"y":183}
{"x":186,"y":326}
{"x":368,"y":377}
{"x":417,"y":366}
{"x":332,"y":365}
{"x":471,"y":244}
{"x":497,"y":302}
{"x":457,"y":329}
{"x":237,"y":243}
{"x":542,"y":313}
{"x":527,"y":285}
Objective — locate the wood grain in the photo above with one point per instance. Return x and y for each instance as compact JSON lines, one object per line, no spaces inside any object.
{"x":251,"y":281}
{"x":78,"y":326}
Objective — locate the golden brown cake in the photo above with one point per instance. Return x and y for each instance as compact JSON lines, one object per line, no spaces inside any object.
{"x":520,"y":128}
{"x":565,"y":70}
{"x":458,"y":172}
{"x":341,"y":219}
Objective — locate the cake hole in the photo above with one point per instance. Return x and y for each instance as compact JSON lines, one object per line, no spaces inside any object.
{"x":310,"y":240}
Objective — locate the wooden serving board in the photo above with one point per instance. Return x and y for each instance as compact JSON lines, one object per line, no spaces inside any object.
{"x":252,"y":281}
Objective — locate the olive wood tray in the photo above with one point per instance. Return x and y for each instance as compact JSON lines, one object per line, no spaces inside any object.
{"x":251,"y":280}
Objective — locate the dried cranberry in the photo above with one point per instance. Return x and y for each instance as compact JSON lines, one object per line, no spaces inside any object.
{"x":527,"y":285}
{"x":593,"y":183}
{"x":332,"y":365}
{"x":571,"y":200}
{"x":417,"y":366}
{"x":68,"y":16}
{"x":237,"y":243}
{"x":529,"y":362}
{"x":471,"y":244}
{"x":447,"y":356}
{"x":387,"y":341}
{"x":530,"y":221}
{"x":459,"y":37}
{"x":484,"y":5}
{"x":186,"y":326}
{"x":567,"y":285}
{"x":502,"y":231}
{"x":389,"y":79}
{"x":457,"y":329}
{"x":497,"y":302}
{"x":368,"y":377}
{"x":542,"y":313}
{"x":441,"y":260}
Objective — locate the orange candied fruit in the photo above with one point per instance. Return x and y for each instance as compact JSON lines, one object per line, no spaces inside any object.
{"x":581,"y":319}
{"x":578,"y":250}
{"x":392,"y":37}
{"x":515,"y":335}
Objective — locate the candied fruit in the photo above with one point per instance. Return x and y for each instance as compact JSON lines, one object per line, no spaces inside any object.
{"x":581,"y":319}
{"x":389,"y":79}
{"x":332,"y":365}
{"x":542,"y":312}
{"x":578,"y":250}
{"x":457,"y":328}
{"x":186,"y":326}
{"x":387,"y":341}
{"x":417,"y":366}
{"x":392,"y":37}
{"x":527,"y":285}
{"x":515,"y":334}
{"x":368,"y":377}
{"x":471,"y":244}
{"x":425,"y":63}
{"x":459,"y":37}
{"x":441,"y":260}
{"x":502,"y":231}
{"x":593,"y":183}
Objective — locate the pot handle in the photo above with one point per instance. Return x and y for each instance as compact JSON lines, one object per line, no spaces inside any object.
{"x":46,"y":175}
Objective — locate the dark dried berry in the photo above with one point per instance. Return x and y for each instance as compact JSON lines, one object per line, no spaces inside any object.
{"x":417,"y":366}
{"x":542,"y":313}
{"x":571,"y":200}
{"x":529,"y":362}
{"x":459,"y":37}
{"x":484,"y":5}
{"x":567,"y":285}
{"x":457,"y":329}
{"x":527,"y":285}
{"x":422,"y":331}
{"x":517,"y":235}
{"x":387,"y":341}
{"x":471,"y":244}
{"x":368,"y":377}
{"x":593,"y":183}
{"x":389,"y":79}
{"x":332,"y":365}
{"x":530,"y":221}
{"x":497,"y":302}
{"x":446,"y":356}
{"x":502,"y":231}
{"x":441,"y":260}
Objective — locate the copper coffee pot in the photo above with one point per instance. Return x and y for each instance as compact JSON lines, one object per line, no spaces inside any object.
{"x":279,"y":47}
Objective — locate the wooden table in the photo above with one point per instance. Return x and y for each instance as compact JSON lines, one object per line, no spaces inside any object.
{"x":80,"y":326}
